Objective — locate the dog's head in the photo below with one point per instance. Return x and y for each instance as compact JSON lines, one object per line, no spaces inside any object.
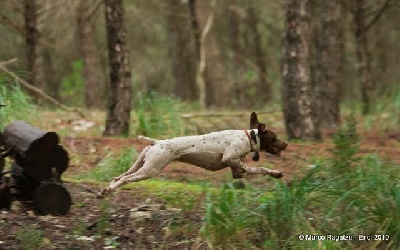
{"x":268,"y":139}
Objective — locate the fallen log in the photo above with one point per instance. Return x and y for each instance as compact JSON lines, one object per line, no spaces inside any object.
{"x":36,"y":151}
{"x":39,"y":161}
{"x":5,"y":194}
{"x":52,"y":198}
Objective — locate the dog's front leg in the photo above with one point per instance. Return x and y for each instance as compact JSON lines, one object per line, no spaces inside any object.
{"x":265,"y":171}
{"x":239,"y":168}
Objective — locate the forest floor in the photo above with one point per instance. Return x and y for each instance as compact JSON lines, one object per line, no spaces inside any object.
{"x":134,"y":218}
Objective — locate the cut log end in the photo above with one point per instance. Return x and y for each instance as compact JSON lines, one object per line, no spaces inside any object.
{"x":53,"y":199}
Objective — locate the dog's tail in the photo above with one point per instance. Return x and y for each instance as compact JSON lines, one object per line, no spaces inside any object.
{"x":151,"y":140}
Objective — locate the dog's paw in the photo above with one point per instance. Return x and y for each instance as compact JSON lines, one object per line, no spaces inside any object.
{"x":277,"y":174}
{"x":103,"y":193}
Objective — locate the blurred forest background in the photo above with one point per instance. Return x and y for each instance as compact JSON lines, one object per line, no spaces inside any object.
{"x":308,"y":56}
{"x":311,"y":69}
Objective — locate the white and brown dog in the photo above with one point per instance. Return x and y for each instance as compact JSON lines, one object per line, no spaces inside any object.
{"x":213,"y":151}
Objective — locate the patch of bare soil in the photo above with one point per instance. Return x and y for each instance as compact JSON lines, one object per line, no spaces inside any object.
{"x":130,"y":220}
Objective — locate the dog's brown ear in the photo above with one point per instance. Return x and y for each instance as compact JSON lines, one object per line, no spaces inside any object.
{"x":253,"y":121}
{"x":262,"y":127}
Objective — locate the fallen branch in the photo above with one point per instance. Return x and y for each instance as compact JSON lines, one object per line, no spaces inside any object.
{"x":37,"y":90}
{"x":9,"y":61}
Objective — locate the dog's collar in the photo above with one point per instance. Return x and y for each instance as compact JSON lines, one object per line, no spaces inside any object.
{"x":254,"y":144}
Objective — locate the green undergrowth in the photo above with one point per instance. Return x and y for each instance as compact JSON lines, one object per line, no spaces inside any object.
{"x":344,"y":195}
{"x":111,"y":166}
{"x":385,"y":113}
{"x":158,"y":116}
{"x":16,"y":104}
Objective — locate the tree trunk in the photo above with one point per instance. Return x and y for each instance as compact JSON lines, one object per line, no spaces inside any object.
{"x":364,"y":63}
{"x":235,"y":71}
{"x":182,"y":49}
{"x":119,"y":91}
{"x":214,"y":72}
{"x":34,"y":60}
{"x":264,"y":88}
{"x":195,"y":25}
{"x":93,"y":88}
{"x":50,"y":74}
{"x":329,"y":62}
{"x":297,"y":96}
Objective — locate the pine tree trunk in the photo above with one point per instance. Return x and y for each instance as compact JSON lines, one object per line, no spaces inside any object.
{"x":214,"y":74}
{"x":297,"y":95}
{"x":50,"y":74}
{"x":364,"y":63}
{"x":119,"y":91}
{"x":329,"y":62}
{"x":33,"y":56}
{"x":182,"y":49}
{"x":235,"y":71}
{"x":264,"y":85}
{"x":93,"y":88}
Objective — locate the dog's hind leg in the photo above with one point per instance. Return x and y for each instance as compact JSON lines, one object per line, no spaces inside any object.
{"x":136,"y":166}
{"x":154,"y":161}
{"x":146,"y":172}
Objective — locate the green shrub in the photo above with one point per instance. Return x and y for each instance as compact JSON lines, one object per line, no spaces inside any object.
{"x":346,"y":147}
{"x":103,"y":222}
{"x":386,"y":110}
{"x":72,"y":85}
{"x":29,"y":237}
{"x":158,"y":116}
{"x":110,"y":166}
{"x":227,"y":222}
{"x":17,"y":104}
{"x":343,"y":195}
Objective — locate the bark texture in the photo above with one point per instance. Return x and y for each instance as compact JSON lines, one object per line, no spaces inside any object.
{"x":33,"y":57}
{"x":182,"y":49}
{"x":264,"y":86}
{"x":93,"y":88}
{"x":297,"y":95}
{"x":329,"y":62}
{"x":363,"y":57}
{"x":119,"y":91}
{"x":216,"y":87}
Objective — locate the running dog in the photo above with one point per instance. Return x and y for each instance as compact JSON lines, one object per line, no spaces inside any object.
{"x":213,"y":151}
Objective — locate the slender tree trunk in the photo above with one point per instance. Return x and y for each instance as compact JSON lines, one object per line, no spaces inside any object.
{"x":93,"y":88}
{"x":363,"y":57}
{"x":329,"y":62}
{"x":214,"y":68}
{"x":264,"y":85}
{"x":119,"y":91}
{"x":33,"y":56}
{"x":237,"y":51}
{"x":195,"y":25}
{"x":297,"y":96}
{"x":182,"y":49}
{"x":50,"y":74}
